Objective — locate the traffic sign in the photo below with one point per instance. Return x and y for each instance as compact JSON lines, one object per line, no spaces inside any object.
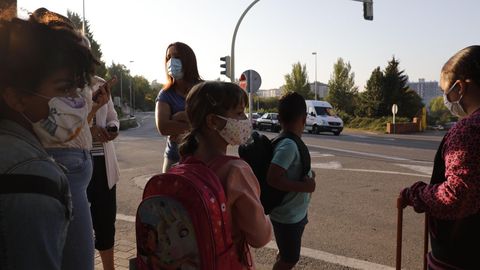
{"x":250,"y":81}
{"x":394,"y":109}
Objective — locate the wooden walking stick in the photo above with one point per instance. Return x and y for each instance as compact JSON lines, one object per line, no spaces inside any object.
{"x":425,"y":244}
{"x":399,"y":232}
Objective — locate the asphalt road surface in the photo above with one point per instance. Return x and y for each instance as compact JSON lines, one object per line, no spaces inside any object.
{"x":352,"y":216}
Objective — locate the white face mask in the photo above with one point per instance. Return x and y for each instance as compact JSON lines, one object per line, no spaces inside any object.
{"x":66,"y":118}
{"x":236,"y":131}
{"x":454,"y":106}
{"x":174,"y":68}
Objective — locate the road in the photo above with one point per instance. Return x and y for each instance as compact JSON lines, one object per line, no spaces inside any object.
{"x":353,"y":211}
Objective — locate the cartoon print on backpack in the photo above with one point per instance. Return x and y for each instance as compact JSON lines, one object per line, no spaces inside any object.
{"x":169,"y":241}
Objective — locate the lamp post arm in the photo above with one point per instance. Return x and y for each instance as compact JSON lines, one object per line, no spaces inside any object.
{"x":232,"y":55}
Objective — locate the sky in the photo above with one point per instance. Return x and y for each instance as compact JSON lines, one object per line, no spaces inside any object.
{"x":275,"y":34}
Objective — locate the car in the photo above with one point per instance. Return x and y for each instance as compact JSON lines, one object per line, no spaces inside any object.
{"x":269,"y":121}
{"x":255,"y":116}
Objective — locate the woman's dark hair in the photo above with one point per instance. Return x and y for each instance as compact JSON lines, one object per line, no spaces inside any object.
{"x":291,"y":106}
{"x":31,"y":51}
{"x":208,"y":98}
{"x":189,"y":64}
{"x":464,"y":65}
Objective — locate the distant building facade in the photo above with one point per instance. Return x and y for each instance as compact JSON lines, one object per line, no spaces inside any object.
{"x":322,"y":89}
{"x":275,"y":92}
{"x":426,"y":90}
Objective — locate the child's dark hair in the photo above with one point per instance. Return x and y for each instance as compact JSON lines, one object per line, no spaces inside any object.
{"x":31,"y":51}
{"x":291,"y":106}
{"x":208,"y":98}
{"x":464,"y":65}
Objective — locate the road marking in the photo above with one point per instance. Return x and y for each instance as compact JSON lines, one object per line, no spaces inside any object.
{"x":332,"y":165}
{"x":324,"y":166}
{"x":126,"y":218}
{"x":335,"y":259}
{"x":315,"y":154}
{"x":423,"y":169}
{"x":367,"y":154}
{"x":311,"y":253}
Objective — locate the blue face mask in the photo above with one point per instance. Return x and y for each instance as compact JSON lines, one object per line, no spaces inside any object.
{"x":174,"y":68}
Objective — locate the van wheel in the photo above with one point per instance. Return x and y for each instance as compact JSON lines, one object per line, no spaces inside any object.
{"x":315,"y":130}
{"x":336,"y":133}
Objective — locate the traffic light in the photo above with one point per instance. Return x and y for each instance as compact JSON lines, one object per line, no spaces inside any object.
{"x":225,"y":65}
{"x":368,"y":10}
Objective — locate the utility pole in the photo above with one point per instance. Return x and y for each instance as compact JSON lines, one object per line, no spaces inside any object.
{"x":315,"y":53}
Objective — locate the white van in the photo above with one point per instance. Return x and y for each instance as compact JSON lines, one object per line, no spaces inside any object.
{"x":320,"y":118}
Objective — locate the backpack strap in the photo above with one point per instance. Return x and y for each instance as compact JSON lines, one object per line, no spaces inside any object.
{"x":23,"y":183}
{"x":302,"y":149}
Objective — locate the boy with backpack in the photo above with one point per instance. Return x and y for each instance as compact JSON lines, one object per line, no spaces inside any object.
{"x":286,"y":173}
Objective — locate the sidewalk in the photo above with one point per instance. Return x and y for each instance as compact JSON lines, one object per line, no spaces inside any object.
{"x":125,"y":247}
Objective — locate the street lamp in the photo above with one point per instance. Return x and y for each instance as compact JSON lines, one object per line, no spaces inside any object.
{"x":83,"y":23}
{"x":232,"y":56}
{"x":132,"y":105}
{"x":315,"y":53}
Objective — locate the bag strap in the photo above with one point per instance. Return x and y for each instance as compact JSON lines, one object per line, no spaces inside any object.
{"x":302,"y":149}
{"x":23,"y":183}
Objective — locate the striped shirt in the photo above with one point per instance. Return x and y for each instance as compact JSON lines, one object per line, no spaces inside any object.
{"x":97,"y":147}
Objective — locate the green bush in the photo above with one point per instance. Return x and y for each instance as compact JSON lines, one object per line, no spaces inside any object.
{"x":373,"y":124}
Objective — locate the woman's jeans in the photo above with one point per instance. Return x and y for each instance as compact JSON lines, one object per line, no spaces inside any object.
{"x":79,"y":248}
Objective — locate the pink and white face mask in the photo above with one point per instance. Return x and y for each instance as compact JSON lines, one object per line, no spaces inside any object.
{"x":236,"y":131}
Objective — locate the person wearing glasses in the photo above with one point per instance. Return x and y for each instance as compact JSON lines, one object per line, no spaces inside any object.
{"x":452,"y":199}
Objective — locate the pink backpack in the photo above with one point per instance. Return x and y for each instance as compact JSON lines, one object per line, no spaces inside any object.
{"x":182,"y":221}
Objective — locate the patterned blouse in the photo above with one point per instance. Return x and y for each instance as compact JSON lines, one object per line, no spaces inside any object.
{"x":459,"y":195}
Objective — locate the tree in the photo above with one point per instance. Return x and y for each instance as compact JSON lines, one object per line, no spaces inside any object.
{"x":297,"y":81}
{"x":342,"y":92}
{"x":396,"y":91}
{"x":101,"y":70}
{"x":372,"y":97}
{"x":385,"y":89}
{"x":122,"y":87}
{"x":438,"y":113}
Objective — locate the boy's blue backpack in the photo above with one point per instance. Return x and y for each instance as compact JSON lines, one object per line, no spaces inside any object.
{"x":258,"y":153}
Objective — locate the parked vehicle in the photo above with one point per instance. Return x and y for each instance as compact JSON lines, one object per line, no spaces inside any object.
{"x":321,"y":118}
{"x":255,"y":117}
{"x":269,"y":121}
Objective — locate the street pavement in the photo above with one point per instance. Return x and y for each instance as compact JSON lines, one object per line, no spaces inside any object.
{"x":352,"y":216}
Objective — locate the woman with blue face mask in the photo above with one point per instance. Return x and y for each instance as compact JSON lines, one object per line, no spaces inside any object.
{"x":41,"y":70}
{"x":452,"y":199}
{"x":170,"y":117}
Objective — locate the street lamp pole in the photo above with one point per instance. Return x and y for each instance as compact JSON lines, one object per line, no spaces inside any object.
{"x":131,"y":97}
{"x":315,"y":53}
{"x":83,"y":23}
{"x":232,"y":54}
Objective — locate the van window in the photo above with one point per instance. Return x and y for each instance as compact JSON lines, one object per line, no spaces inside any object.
{"x":324,"y":111}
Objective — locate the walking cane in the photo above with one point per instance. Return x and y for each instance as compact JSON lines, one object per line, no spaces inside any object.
{"x":399,"y":233}
{"x":399,"y":237}
{"x":425,"y":244}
